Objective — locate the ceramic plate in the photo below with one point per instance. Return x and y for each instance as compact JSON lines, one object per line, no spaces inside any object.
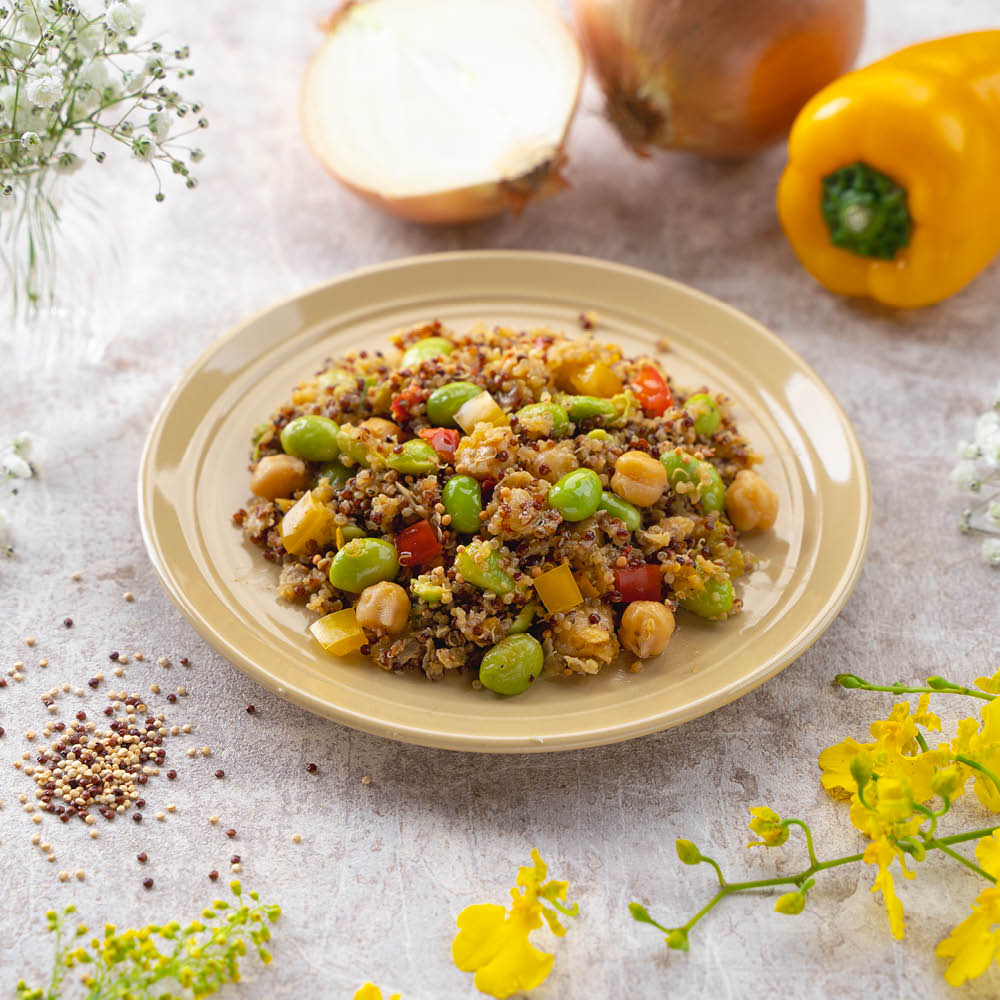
{"x":194,"y":476}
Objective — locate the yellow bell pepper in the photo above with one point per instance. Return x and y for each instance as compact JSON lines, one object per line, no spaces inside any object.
{"x":558,"y":590}
{"x":892,"y":188}
{"x":309,"y":520}
{"x":596,"y":380}
{"x":339,"y":633}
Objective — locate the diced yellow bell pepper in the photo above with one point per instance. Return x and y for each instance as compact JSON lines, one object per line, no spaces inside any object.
{"x":597,"y":380}
{"x":481,"y":409}
{"x":558,"y":590}
{"x":339,"y":633}
{"x":309,"y":520}
{"x":284,"y":504}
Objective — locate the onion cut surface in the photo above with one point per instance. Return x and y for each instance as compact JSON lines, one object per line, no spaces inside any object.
{"x":444,"y":110}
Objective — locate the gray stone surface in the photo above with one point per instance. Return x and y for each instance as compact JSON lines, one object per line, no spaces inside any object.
{"x":372,"y":890}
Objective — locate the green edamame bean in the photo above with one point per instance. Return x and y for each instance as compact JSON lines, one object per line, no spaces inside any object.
{"x":544,"y":420}
{"x":336,"y":472}
{"x":463,"y":499}
{"x":589,"y":407}
{"x":577,"y":495}
{"x":445,"y":401}
{"x":512,"y":665}
{"x":479,"y":565}
{"x":417,"y":458}
{"x":424,"y":350}
{"x":705,"y":413}
{"x":363,"y":562}
{"x":311,"y":437}
{"x":684,"y":468}
{"x":715,"y":601}
{"x":621,"y":509}
{"x":523,"y":620}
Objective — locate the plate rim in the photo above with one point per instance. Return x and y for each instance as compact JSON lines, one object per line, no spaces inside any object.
{"x":416,"y":734}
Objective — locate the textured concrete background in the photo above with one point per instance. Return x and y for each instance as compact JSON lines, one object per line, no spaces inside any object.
{"x":382,"y":869}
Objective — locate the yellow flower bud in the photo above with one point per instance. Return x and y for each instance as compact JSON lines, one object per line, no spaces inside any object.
{"x":861,"y":769}
{"x":895,"y":800}
{"x":790,"y":902}
{"x":948,"y":782}
{"x":688,"y":853}
{"x":766,"y":823}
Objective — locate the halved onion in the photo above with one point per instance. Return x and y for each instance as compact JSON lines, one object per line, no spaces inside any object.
{"x":444,"y":110}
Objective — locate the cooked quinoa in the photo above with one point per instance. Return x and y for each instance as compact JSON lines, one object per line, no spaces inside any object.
{"x":535,"y":559}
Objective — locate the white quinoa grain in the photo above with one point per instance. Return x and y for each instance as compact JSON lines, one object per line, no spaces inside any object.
{"x":36,"y":818}
{"x":77,"y":575}
{"x":171,"y":807}
{"x":137,"y":656}
{"x":80,"y":874}
{"x":30,"y":734}
{"x":43,"y":663}
{"x":206,"y":751}
{"x":236,"y":868}
{"x":118,"y":671}
{"x":123,"y":659}
{"x":213,"y":820}
{"x":29,"y":640}
{"x":296,"y":838}
{"x":192,"y":752}
{"x":155,"y":688}
{"x":36,"y":838}
{"x":163,"y":661}
{"x":366,"y":780}
{"x":186,"y":728}
{"x":182,"y":691}
{"x":93,"y":835}
{"x":64,"y":876}
{"x":128,"y":595}
{"x":161,"y":816}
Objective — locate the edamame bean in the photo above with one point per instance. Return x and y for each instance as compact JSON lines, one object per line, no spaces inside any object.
{"x":524,"y":619}
{"x":705,"y":413}
{"x":598,"y":434}
{"x":621,"y":509}
{"x":424,"y":350}
{"x":363,"y":562}
{"x":463,"y":500}
{"x":547,"y":420}
{"x":589,"y":407}
{"x":715,"y":601}
{"x":311,"y":437}
{"x":417,"y":458}
{"x":480,"y":565}
{"x":336,"y":472}
{"x":577,"y":495}
{"x":684,"y":468}
{"x":512,"y":665}
{"x":445,"y":401}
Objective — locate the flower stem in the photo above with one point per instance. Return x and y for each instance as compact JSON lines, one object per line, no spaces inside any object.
{"x":929,"y":844}
{"x":852,"y":681}
{"x":982,"y":768}
{"x":809,"y":837}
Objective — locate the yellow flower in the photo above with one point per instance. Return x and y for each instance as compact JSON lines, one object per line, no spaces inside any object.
{"x":881,"y":853}
{"x":982,"y":743}
{"x":922,"y":717}
{"x":973,"y":944}
{"x":991,"y":685}
{"x":494,"y":943}
{"x":766,"y":823}
{"x":371,"y":992}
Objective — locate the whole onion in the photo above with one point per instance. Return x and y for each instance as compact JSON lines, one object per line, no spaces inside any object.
{"x":718,"y":77}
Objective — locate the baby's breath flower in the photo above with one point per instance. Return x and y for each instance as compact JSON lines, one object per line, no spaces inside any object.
{"x":143,"y":148}
{"x":29,"y":139}
{"x":965,"y":476}
{"x":68,"y":163}
{"x":124,"y":18}
{"x":46,"y":88}
{"x":159,"y":126}
{"x":991,"y":551}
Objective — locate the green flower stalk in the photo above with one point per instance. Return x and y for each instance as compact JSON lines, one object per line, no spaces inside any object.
{"x":155,"y":961}
{"x":899,"y":788}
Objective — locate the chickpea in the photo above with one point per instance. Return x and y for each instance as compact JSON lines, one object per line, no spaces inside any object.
{"x":383,"y":607}
{"x":381,"y":427}
{"x":646,"y":628}
{"x":750,"y":503}
{"x":279,"y":476}
{"x":639,"y":478}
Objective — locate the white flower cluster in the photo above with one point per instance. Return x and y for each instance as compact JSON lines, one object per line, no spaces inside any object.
{"x":64,"y":66}
{"x":978,"y":471}
{"x":15,"y":458}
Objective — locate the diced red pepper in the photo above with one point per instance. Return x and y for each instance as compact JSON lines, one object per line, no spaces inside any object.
{"x":638,"y":583}
{"x":402,"y":403}
{"x":443,"y":440}
{"x":652,"y":391}
{"x":418,"y":545}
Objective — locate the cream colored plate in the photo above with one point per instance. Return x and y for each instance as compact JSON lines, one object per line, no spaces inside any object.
{"x":194,"y":475}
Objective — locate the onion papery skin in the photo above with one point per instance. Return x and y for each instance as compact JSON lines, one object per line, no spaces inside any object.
{"x":723,"y":78}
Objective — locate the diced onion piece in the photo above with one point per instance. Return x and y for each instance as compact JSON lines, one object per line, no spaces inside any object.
{"x":444,"y":110}
{"x":481,"y":409}
{"x":558,"y":590}
{"x":339,"y":633}
{"x":308,"y":521}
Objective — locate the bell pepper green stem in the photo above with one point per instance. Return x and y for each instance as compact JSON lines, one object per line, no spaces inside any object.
{"x":866,"y":211}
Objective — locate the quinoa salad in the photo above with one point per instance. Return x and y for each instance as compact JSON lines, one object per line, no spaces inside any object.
{"x":503,"y":503}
